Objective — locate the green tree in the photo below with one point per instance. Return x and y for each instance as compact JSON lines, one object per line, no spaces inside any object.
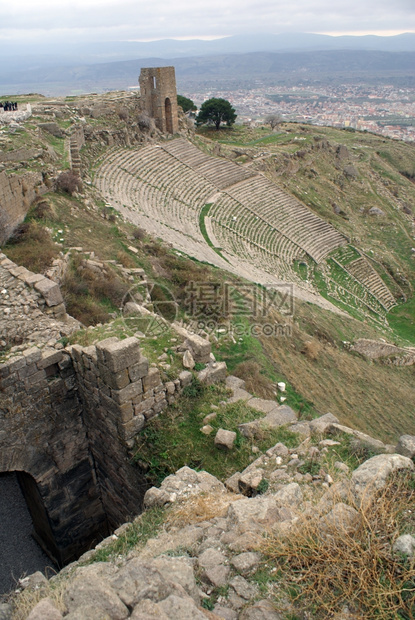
{"x":216,"y":111}
{"x":186,"y":104}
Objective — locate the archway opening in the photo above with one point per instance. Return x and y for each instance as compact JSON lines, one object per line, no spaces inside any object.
{"x":168,"y":115}
{"x":23,"y":521}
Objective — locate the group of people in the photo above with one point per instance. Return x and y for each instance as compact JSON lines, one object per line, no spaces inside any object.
{"x":8,"y":106}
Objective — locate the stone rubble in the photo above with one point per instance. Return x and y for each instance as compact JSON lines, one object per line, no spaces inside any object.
{"x":219,"y":553}
{"x":177,"y":571}
{"x":32,"y":311}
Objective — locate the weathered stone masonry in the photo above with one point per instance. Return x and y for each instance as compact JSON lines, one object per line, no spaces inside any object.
{"x":120,"y":392}
{"x":159,"y":97}
{"x":67,"y":420}
{"x":43,"y":434}
{"x":17,"y":192}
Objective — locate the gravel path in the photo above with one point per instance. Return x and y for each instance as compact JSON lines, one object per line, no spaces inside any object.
{"x":20,"y":555}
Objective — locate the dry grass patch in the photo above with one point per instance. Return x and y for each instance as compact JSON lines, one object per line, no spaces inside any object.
{"x":328,"y":563}
{"x":311,"y":349}
{"x":201,"y":507}
{"x":32,"y":246}
{"x":255,"y":382}
{"x":24,"y":602}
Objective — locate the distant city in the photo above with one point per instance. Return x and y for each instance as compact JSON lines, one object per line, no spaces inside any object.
{"x":383,"y":109}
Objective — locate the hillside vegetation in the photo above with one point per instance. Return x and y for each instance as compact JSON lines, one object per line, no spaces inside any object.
{"x":314,"y":355}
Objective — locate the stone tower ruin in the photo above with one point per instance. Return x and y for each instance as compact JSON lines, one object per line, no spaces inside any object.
{"x":159,"y":95}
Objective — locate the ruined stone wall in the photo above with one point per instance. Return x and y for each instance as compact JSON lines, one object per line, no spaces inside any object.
{"x":22,"y":154}
{"x":69,"y":417}
{"x":17,"y":193}
{"x":120,"y":393}
{"x":159,"y":96}
{"x":77,"y":141}
{"x":43,"y":434}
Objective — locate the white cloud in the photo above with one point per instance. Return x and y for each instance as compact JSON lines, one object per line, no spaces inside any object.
{"x":140,"y":19}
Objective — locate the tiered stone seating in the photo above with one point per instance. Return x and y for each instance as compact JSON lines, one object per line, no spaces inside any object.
{"x":221,"y":172}
{"x":346,"y":254}
{"x":288,"y":216}
{"x":252,"y":220}
{"x":363,"y":271}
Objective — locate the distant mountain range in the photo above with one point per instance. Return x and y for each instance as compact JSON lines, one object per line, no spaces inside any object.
{"x":99,"y":66}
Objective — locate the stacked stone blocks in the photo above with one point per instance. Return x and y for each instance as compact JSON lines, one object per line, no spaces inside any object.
{"x":17,"y":192}
{"x":43,"y":434}
{"x":118,"y":378}
{"x":50,"y":296}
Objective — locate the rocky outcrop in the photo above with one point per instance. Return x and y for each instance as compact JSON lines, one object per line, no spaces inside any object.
{"x":32,"y":310}
{"x":17,"y":192}
{"x":174,"y":575}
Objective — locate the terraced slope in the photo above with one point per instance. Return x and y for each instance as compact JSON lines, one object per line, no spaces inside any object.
{"x":223,"y":213}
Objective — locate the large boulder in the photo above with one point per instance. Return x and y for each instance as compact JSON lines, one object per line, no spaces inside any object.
{"x":406,"y":446}
{"x":199,"y":347}
{"x":183,"y":483}
{"x":224,"y":439}
{"x":373,"y":474}
{"x":215,"y":372}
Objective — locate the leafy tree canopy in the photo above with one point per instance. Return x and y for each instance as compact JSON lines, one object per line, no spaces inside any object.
{"x":216,"y":111}
{"x":185,"y":103}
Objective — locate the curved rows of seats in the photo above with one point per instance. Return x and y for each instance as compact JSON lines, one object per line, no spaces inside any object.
{"x":351,"y":286}
{"x":243,"y":247}
{"x":354,"y":290}
{"x":228,"y":212}
{"x":364,"y":272}
{"x":289,"y":216}
{"x":251,"y":219}
{"x":221,"y":172}
{"x":263,"y":198}
{"x":136,"y":182}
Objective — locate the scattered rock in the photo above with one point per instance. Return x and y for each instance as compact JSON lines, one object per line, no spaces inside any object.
{"x":406,"y":446}
{"x":405,"y":544}
{"x":224,"y":439}
{"x":178,"y":608}
{"x":45,"y":610}
{"x":262,"y":610}
{"x":376,"y":211}
{"x":199,"y":348}
{"x":321,"y":424}
{"x":341,"y":519}
{"x":350,"y":172}
{"x":372,"y":475}
{"x":246,"y":562}
{"x":188,"y":361}
{"x":215,"y":372}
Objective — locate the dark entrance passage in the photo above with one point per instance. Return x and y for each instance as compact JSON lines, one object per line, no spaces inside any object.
{"x":169,"y":117}
{"x":20,"y":554}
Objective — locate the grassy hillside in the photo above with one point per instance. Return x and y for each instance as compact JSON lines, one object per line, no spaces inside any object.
{"x":313,"y":356}
{"x":341,"y":175}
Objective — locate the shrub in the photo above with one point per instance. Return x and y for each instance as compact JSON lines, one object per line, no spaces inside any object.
{"x":145,"y":123}
{"x":32,"y":247}
{"x":90,"y":297}
{"x":42,"y":209}
{"x":139,"y":234}
{"x":69,"y":182}
{"x":255,"y":381}
{"x":123,"y":113}
{"x":326,"y":565}
{"x":311,"y":349}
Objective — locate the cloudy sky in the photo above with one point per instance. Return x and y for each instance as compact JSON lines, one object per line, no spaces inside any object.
{"x":61,"y":20}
